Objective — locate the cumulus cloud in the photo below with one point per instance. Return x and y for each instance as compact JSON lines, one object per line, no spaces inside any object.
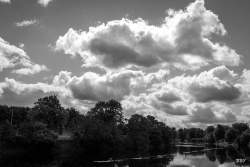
{"x":191,"y":98}
{"x":245,"y":80}
{"x":21,"y":93}
{"x":95,"y":87}
{"x":19,"y":87}
{"x":31,"y":69}
{"x":111,"y":85}
{"x":15,"y":58}
{"x":167,"y":97}
{"x":208,"y":97}
{"x":141,"y":93}
{"x":44,"y":3}
{"x":213,"y":85}
{"x":5,"y":1}
{"x":210,"y":115}
{"x":26,"y":23}
{"x":183,"y":40}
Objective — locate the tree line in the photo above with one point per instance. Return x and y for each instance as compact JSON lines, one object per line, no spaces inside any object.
{"x":104,"y":130}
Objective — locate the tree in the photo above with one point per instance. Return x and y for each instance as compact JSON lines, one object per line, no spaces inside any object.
{"x":74,"y":119}
{"x":139,"y":133}
{"x":108,"y":112}
{"x":181,"y":135}
{"x":219,"y":132}
{"x":240,"y":127}
{"x":4,"y":113}
{"x":244,"y":139}
{"x":194,"y":133}
{"x":100,"y":129}
{"x":209,"y":129}
{"x":49,"y":111}
{"x":35,"y":130}
{"x":20,"y":114}
{"x":7,"y":131}
{"x":15,"y":115}
{"x":209,"y":138}
{"x":231,"y":134}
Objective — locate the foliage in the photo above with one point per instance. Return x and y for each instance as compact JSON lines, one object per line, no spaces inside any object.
{"x":73,"y":119}
{"x":7,"y":131}
{"x":244,"y":139}
{"x":35,"y":130}
{"x":240,"y":127}
{"x":219,"y":132}
{"x":231,"y":134}
{"x":49,"y":111}
{"x":103,"y":131}
{"x":108,"y":112}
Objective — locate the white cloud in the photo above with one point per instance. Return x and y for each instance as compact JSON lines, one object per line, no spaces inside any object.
{"x":95,"y":87}
{"x":26,"y":23}
{"x":31,"y":69}
{"x":211,"y":114}
{"x":44,"y":3}
{"x":192,"y":99}
{"x":5,"y":1}
{"x":15,"y":58}
{"x":21,"y":45}
{"x":183,"y":40}
{"x":19,"y":87}
{"x":213,"y":85}
{"x":169,"y":100}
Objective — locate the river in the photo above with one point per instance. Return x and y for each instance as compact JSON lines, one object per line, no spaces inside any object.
{"x":180,"y":156}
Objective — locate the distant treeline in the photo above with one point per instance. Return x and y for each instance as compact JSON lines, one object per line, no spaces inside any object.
{"x":103,"y":130}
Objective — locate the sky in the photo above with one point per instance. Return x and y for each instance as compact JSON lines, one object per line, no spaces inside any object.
{"x":186,"y":62}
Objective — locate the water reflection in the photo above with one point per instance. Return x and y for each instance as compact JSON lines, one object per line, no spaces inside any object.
{"x":209,"y":157}
{"x":181,"y":156}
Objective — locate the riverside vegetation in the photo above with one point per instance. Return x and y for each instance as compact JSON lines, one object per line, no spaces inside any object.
{"x":47,"y":130}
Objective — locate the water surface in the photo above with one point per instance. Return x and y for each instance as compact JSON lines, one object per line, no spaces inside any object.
{"x":180,"y":156}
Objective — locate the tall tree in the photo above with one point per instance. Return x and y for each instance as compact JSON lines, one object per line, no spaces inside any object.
{"x":109,"y":112}
{"x":74,"y":118}
{"x":219,"y":132}
{"x":138,"y":127}
{"x":49,"y":111}
{"x":241,"y":127}
{"x":231,"y":134}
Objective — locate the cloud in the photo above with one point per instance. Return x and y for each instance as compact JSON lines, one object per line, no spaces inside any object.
{"x":139,"y":92}
{"x":5,"y":1}
{"x":168,"y":97}
{"x":178,"y":110}
{"x":14,"y":92}
{"x":15,"y":58}
{"x":95,"y":87}
{"x":209,"y":115}
{"x":31,"y":69}
{"x":190,"y":98}
{"x":183,"y":40}
{"x":208,"y":97}
{"x":44,"y":3}
{"x":19,"y":87}
{"x":26,"y":23}
{"x":213,"y":85}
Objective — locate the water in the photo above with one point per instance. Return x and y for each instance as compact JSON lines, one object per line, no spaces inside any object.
{"x":181,"y":156}
{"x":209,"y":157}
{"x":192,"y":156}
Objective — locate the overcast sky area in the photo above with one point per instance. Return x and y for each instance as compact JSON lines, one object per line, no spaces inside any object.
{"x":186,"y":62}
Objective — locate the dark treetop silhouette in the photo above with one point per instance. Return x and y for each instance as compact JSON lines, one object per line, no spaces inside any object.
{"x":103,"y":132}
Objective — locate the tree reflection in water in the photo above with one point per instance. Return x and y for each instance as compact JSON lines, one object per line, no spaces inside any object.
{"x":179,"y":156}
